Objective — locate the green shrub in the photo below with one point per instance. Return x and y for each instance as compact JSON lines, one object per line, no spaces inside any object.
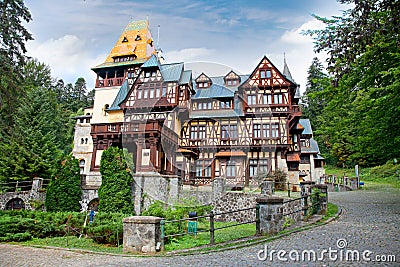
{"x":115,"y":190}
{"x":106,"y":228}
{"x":64,"y":191}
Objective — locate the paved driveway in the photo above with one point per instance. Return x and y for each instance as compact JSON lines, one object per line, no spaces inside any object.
{"x":369,"y":227}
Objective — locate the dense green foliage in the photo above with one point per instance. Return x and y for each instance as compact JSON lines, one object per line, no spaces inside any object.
{"x":160,"y":209}
{"x":115,"y":190}
{"x":24,"y":225}
{"x":36,"y":129}
{"x":358,"y":122}
{"x":64,"y":191}
{"x":13,"y":36}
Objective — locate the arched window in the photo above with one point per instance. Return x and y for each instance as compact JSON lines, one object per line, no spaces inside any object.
{"x":86,"y":140}
{"x":82,"y":141}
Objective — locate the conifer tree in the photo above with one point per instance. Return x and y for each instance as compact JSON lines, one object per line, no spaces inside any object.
{"x":115,"y":190}
{"x":64,"y":191}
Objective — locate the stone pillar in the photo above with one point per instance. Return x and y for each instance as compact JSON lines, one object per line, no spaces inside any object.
{"x":37,"y":184}
{"x":175,"y":186}
{"x":142,"y":234}
{"x":305,"y":187}
{"x":354,"y":183}
{"x":267,"y":187}
{"x":218,"y":188}
{"x":269,"y":215}
{"x":323,"y":198}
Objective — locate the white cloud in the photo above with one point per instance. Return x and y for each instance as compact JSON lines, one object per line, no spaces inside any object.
{"x":68,"y":58}
{"x":188,"y":54}
{"x":295,"y":36}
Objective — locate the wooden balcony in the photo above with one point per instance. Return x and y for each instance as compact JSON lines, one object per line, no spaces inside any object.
{"x":109,"y":82}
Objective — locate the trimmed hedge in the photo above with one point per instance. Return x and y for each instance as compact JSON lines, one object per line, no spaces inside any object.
{"x":24,"y":225}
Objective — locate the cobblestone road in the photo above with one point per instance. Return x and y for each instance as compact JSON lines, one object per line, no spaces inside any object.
{"x":370,"y":221}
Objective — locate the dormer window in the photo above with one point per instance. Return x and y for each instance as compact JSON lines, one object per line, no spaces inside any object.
{"x":265,"y":74}
{"x":138,"y":38}
{"x":203,"y":85}
{"x":232,"y":79}
{"x":231,"y":82}
{"x":125,"y":39}
{"x":203,"y":81}
{"x":148,"y":74}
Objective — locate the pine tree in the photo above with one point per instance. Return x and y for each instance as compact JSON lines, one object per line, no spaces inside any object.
{"x":115,"y":190}
{"x":64,"y":191}
{"x":13,"y":36}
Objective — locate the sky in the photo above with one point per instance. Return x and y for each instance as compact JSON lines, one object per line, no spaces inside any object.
{"x":72,"y":36}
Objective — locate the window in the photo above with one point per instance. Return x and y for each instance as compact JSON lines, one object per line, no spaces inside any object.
{"x":202,"y":132}
{"x":86,"y":141}
{"x":256,"y":130}
{"x":193,"y":132}
{"x":267,"y":99}
{"x":82,"y":141}
{"x":164,"y":91}
{"x":145,"y":93}
{"x":305,"y":159}
{"x":229,"y":132}
{"x":204,"y":105}
{"x":293,"y":166}
{"x":225,"y":104}
{"x":275,"y":130}
{"x":203,"y":168}
{"x":230,"y":169}
{"x":82,"y":166}
{"x":112,"y":128}
{"x":266,"y":130}
{"x":265,"y":74}
{"x":139,"y":93}
{"x":251,"y":99}
{"x":231,"y":82}
{"x":278,"y":99}
{"x":258,"y":166}
{"x":138,"y":38}
{"x":152,"y":93}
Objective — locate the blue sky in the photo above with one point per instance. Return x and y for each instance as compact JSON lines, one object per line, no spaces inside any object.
{"x":71,"y":36}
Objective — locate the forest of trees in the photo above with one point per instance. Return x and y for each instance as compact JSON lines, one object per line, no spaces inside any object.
{"x":354,"y":106}
{"x":36,"y":129}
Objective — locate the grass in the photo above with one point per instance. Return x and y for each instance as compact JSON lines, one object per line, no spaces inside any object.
{"x":379,"y":176}
{"x":184,"y":242}
{"x":71,"y":242}
{"x":220,"y":235}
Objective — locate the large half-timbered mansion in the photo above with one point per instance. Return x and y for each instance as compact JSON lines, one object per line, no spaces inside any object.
{"x":197,"y":128}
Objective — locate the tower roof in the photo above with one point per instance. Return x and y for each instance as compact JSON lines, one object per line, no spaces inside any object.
{"x":286,"y":70}
{"x":135,"y":45}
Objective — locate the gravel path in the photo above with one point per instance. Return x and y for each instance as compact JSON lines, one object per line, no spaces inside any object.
{"x":369,"y":221}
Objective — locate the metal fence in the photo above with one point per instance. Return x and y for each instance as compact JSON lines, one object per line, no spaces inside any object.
{"x":211,"y":229}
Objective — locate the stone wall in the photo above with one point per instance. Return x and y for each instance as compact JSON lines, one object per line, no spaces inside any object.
{"x":149,"y":187}
{"x":35,"y":194}
{"x":234,"y":201}
{"x":292,"y":206}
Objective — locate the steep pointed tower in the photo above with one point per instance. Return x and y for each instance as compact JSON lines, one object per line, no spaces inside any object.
{"x":114,"y":78}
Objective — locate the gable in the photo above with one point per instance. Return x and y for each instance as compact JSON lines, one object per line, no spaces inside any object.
{"x":203,"y":78}
{"x":267,"y":75}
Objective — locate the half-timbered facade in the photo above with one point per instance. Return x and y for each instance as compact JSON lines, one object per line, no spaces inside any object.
{"x":242,"y":125}
{"x":197,"y":128}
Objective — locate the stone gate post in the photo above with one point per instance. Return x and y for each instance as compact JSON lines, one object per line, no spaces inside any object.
{"x":270,"y":215}
{"x":142,"y":234}
{"x":267,"y":187}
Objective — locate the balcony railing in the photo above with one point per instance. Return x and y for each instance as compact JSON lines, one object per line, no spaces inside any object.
{"x":110,"y":82}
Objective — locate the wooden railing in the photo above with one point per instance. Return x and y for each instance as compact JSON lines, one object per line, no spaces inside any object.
{"x":110,"y":82}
